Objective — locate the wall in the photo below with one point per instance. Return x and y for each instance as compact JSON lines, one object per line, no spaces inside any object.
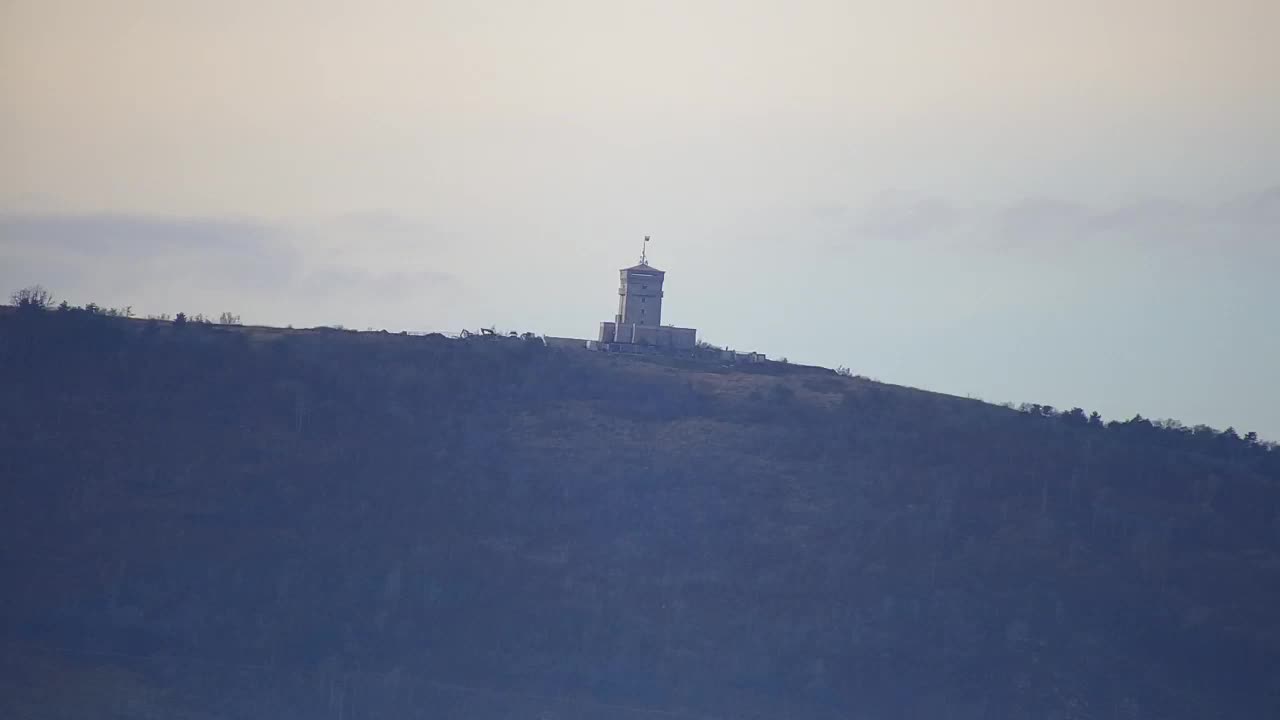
{"x":564,"y":342}
{"x":681,"y":338}
{"x":661,"y":336}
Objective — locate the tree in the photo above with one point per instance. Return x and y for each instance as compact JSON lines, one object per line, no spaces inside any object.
{"x":227,"y":318}
{"x":180,"y":319}
{"x":1075,"y":416}
{"x":32,"y":298}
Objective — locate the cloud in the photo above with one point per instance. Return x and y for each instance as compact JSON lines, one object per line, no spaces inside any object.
{"x":113,"y":255}
{"x":1047,"y":224}
{"x":118,"y":249}
{"x":383,"y":285}
{"x":133,"y":236}
{"x":1041,"y":219}
{"x":1259,"y":210}
{"x":382,"y":223}
{"x":901,"y":218}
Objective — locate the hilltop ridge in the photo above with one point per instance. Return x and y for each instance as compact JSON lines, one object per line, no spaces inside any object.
{"x":591,"y":530}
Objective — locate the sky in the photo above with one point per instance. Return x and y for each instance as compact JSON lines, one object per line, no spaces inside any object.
{"x":1074,"y":203}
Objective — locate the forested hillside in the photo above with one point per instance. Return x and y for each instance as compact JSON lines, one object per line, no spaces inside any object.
{"x":202,"y":521}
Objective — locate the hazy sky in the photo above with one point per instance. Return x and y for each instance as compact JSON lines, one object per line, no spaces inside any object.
{"x":1075,"y":203}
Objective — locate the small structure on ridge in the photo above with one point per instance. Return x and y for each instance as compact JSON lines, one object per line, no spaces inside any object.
{"x":638,"y":325}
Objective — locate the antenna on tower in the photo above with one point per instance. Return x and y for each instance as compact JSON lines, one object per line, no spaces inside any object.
{"x":644,"y":251}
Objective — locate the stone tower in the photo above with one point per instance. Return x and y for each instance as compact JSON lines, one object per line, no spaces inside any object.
{"x":640,"y":295}
{"x":638,"y":323}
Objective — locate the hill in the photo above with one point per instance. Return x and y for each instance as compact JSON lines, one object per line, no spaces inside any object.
{"x":205,"y":521}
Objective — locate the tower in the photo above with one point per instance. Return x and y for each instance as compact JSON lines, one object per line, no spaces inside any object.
{"x":640,"y":293}
{"x":638,"y":324}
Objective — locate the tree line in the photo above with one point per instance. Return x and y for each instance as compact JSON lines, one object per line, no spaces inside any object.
{"x":37,"y":298}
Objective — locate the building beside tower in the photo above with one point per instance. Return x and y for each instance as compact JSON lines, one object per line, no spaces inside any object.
{"x":638,"y":326}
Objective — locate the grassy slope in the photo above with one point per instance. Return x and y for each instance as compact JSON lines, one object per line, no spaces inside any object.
{"x":609,"y":530}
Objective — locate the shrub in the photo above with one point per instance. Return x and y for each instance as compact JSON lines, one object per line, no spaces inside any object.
{"x":32,"y":298}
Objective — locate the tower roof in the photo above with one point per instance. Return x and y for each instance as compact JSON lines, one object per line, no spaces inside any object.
{"x":644,"y":267}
